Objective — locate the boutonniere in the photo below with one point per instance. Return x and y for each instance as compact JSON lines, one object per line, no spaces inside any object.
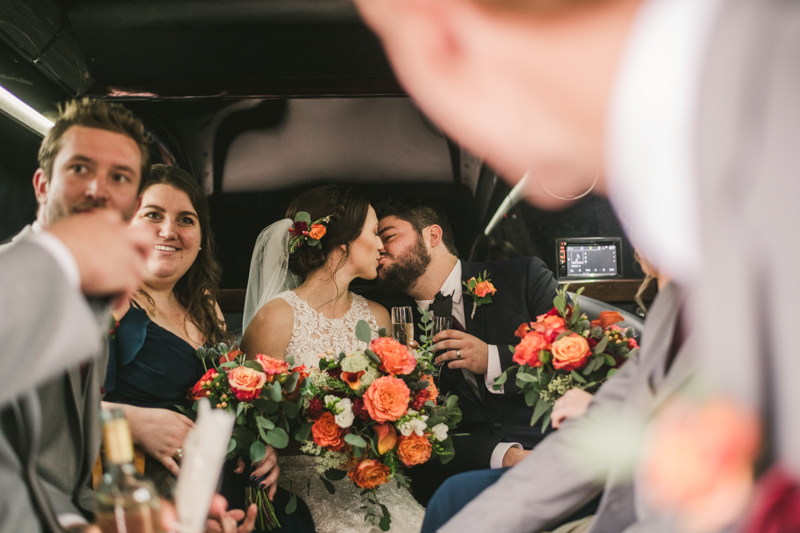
{"x":481,"y":289}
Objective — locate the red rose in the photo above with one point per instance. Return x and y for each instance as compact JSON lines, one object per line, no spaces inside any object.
{"x":200,"y":389}
{"x":300,"y":227}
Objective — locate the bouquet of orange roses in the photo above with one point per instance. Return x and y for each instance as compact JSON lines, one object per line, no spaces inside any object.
{"x":562,"y":350}
{"x":264,"y":396}
{"x":372,"y":413}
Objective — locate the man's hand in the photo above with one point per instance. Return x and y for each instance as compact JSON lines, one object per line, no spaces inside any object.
{"x":110,"y":255}
{"x":573,"y":403}
{"x":462,"y":351}
{"x":160,"y":432}
{"x":514,"y":456}
{"x":267,"y":467}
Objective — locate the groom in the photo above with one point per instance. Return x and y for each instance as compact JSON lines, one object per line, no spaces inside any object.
{"x":421,"y":261}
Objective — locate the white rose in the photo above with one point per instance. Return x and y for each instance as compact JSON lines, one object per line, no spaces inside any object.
{"x":330,"y":399}
{"x":418,"y":426}
{"x":440,"y":432}
{"x":344,"y":417}
{"x":405,"y":429}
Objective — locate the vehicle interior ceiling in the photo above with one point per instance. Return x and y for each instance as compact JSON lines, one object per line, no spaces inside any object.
{"x":259,"y":101}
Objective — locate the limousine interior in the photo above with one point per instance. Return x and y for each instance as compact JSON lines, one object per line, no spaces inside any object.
{"x":260,"y":100}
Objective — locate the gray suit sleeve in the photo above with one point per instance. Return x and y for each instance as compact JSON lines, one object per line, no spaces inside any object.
{"x":45,"y":321}
{"x":546,"y":487}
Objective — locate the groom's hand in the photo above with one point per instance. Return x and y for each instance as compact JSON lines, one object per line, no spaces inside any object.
{"x":461,"y":350}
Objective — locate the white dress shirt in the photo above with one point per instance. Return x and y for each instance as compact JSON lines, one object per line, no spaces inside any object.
{"x":54,"y":247}
{"x":452,"y":286}
{"x":651,"y":165}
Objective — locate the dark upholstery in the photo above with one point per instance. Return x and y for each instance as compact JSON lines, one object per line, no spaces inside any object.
{"x":593,"y":307}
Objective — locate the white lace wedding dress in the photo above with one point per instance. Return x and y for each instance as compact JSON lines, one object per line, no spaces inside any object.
{"x":312,"y":334}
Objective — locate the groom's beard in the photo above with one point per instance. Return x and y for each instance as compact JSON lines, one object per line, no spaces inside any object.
{"x":400,"y":276}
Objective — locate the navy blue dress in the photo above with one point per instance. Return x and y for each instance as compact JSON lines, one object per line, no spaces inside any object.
{"x":149,"y":366}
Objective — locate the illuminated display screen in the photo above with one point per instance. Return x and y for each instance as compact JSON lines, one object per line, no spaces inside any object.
{"x":591,"y":261}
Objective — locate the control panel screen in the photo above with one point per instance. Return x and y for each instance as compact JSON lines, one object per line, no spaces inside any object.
{"x":589,"y":257}
{"x":583,"y":260}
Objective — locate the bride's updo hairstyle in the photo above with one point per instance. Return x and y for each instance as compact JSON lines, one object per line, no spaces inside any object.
{"x":348,"y":210}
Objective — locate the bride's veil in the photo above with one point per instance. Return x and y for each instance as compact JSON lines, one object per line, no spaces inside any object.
{"x":269,"y":269}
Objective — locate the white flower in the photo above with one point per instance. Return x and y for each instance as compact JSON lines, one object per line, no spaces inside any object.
{"x":330,"y":402}
{"x":440,"y":432}
{"x":405,"y":429}
{"x":355,"y":362}
{"x":344,"y":413}
{"x":371,"y":375}
{"x":419,"y":426}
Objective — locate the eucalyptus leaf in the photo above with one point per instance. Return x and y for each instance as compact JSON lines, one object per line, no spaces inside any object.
{"x":230,"y":364}
{"x":372,"y":355}
{"x":531,"y":396}
{"x":292,"y":505}
{"x":257,"y":451}
{"x":290,"y":361}
{"x":577,"y":377}
{"x":231,"y":445}
{"x":355,"y":440}
{"x":275,"y":392}
{"x":546,"y":421}
{"x":303,"y":433}
{"x":255,"y":365}
{"x":302,"y":216}
{"x":264,"y":422}
{"x":291,"y":382}
{"x":525,"y":377}
{"x":609,"y":360}
{"x":560,"y":304}
{"x":363,"y":332}
{"x":328,"y":485}
{"x":278,"y":438}
{"x":451,"y":402}
{"x":500,"y":380}
{"x":290,"y":409}
{"x":386,"y":523}
{"x":611,"y":372}
{"x":334,"y":474}
{"x":539,"y":409}
{"x":601,"y":345}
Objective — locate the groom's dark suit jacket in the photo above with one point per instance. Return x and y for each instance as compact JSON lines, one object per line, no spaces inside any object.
{"x":525,"y":289}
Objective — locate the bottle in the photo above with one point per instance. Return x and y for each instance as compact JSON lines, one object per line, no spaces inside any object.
{"x":125,"y":502}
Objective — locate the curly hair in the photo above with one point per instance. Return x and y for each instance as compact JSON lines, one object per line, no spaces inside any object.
{"x":348,"y":210}
{"x":197,"y":289}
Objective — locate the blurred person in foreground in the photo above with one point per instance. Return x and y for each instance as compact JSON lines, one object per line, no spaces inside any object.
{"x":688,"y":111}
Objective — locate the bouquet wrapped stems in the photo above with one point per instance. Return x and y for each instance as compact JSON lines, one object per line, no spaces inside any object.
{"x":266,"y":519}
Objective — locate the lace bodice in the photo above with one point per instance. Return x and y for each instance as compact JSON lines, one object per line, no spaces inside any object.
{"x":313,"y":333}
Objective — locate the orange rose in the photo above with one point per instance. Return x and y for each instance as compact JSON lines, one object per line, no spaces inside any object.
{"x":570,"y":352}
{"x":414,"y":450}
{"x":246,"y":383}
{"x":607,"y":318}
{"x":395,"y":357}
{"x":433,"y":392}
{"x":549,"y":325}
{"x":326,"y":433}
{"x":386,"y":399}
{"x":483,"y":288}
{"x":272,"y":366}
{"x":230,"y":356}
{"x":369,"y":474}
{"x":527,"y":351}
{"x":522,"y":330}
{"x":317,"y":231}
{"x":387,"y":437}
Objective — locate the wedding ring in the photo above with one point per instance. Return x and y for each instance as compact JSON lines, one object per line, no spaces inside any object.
{"x":178,"y":454}
{"x":458,"y":354}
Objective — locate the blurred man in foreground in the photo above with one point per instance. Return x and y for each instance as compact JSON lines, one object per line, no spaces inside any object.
{"x":688,"y":109}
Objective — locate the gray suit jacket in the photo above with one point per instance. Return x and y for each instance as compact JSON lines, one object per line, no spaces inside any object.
{"x":748,"y":135}
{"x":46,"y":323}
{"x":546,"y":487}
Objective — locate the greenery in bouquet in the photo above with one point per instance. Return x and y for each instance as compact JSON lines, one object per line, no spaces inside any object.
{"x":264,"y":396}
{"x":373,"y":413}
{"x":563,"y":350}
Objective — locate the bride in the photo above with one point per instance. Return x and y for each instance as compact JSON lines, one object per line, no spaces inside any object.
{"x":298,"y":304}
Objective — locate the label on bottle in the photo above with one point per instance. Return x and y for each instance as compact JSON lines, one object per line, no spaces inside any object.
{"x":117,"y":441}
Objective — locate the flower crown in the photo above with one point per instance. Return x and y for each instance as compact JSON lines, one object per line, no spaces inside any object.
{"x":305,"y":231}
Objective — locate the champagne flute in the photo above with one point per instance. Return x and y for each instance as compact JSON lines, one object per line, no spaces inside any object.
{"x":402,"y":325}
{"x":440,"y":323}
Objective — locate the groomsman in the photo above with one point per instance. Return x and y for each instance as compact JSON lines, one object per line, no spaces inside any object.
{"x":93,"y":159}
{"x":421,"y":261}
